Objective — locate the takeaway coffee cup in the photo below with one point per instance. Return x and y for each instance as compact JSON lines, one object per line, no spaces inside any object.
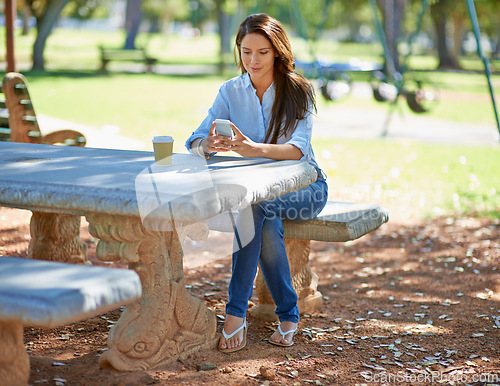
{"x":163,"y":147}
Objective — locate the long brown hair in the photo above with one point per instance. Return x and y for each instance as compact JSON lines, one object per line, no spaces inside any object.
{"x":294,"y":94}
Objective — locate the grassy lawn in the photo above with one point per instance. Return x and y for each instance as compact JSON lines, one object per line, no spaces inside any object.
{"x":141,"y":105}
{"x":426,"y":178}
{"x":78,"y":49}
{"x":423,"y":179}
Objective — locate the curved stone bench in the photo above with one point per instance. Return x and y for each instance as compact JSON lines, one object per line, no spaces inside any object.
{"x":48,"y":294}
{"x":338,"y":222}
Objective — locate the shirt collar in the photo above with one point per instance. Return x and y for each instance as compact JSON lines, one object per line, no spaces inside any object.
{"x":248,"y":83}
{"x":246,"y":80}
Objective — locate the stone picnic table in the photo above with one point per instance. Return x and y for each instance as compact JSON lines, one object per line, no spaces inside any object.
{"x":141,"y":212}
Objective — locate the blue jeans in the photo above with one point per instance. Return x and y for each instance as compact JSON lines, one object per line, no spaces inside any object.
{"x":268,"y":248}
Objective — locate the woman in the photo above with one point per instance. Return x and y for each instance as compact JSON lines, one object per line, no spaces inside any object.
{"x":270,"y":109}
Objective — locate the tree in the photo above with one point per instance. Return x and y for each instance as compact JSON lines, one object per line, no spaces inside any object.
{"x":160,"y":13}
{"x":355,"y":13}
{"x":487,"y":12}
{"x":441,"y":10}
{"x":392,"y":11}
{"x":133,"y":19}
{"x":46,"y":13}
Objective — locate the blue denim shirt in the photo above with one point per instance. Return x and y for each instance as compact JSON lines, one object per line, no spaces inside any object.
{"x":237,"y":101}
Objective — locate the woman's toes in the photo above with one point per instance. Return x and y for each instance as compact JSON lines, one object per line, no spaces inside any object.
{"x":276,"y":337}
{"x":222,"y":345}
{"x":235,"y":342}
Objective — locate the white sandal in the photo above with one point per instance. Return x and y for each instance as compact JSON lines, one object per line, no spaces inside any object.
{"x":243,"y":343}
{"x":283,"y":334}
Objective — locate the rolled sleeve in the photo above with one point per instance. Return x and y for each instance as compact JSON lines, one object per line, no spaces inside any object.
{"x":301,"y":137}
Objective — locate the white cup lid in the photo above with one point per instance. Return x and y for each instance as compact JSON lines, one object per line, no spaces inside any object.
{"x":163,"y":139}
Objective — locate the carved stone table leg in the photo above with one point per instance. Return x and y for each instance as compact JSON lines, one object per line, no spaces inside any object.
{"x":55,"y":236}
{"x":167,"y":322}
{"x":14,"y":360}
{"x":305,"y":283}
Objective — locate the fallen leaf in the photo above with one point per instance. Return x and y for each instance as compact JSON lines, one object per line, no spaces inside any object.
{"x":206,"y":366}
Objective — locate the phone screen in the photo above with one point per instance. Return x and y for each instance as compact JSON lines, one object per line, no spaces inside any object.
{"x":223,"y":128}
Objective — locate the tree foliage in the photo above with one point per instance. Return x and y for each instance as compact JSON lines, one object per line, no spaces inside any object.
{"x":447,"y":21}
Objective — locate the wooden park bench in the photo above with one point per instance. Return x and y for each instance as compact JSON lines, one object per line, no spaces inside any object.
{"x":337,"y":222}
{"x":54,"y":235}
{"x":126,"y":55}
{"x":18,"y":121}
{"x":49,"y":294}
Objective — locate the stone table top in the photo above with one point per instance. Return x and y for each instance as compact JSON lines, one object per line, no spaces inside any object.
{"x":80,"y":181}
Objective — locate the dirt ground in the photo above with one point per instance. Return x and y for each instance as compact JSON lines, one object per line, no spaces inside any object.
{"x":411,"y":303}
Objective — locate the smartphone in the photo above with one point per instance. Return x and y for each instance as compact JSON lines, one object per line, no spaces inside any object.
{"x":223,"y":128}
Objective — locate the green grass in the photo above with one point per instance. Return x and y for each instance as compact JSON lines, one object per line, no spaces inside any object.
{"x":424,"y":179}
{"x":78,"y":49}
{"x":427,"y":179}
{"x":142,"y":105}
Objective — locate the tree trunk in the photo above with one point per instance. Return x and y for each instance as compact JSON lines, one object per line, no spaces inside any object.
{"x":352,"y":25}
{"x":399,"y":9}
{"x":439,"y":17}
{"x":133,"y":22}
{"x":224,"y":32}
{"x":496,"y":52}
{"x":458,"y":34}
{"x":45,"y":24}
{"x":392,"y":11}
{"x":26,"y":18}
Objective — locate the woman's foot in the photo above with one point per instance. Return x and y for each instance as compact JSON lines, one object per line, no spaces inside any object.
{"x":234,"y":334}
{"x":283,"y":336}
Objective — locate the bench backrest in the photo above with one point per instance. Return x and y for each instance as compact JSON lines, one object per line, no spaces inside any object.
{"x":18,"y":122}
{"x":4,"y":119}
{"x":18,"y":115}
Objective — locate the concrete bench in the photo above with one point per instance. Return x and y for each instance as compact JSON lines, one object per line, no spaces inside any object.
{"x":48,"y":294}
{"x":338,"y":222}
{"x":126,"y":55}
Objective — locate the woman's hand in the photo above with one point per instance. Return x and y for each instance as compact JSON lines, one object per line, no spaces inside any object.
{"x":240,"y":143}
{"x":245,"y":147}
{"x":214,"y":143}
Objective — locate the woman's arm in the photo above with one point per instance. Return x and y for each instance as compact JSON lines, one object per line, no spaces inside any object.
{"x":283,"y":151}
{"x":245,"y":147}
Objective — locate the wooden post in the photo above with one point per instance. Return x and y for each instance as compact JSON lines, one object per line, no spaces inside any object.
{"x":10,"y":19}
